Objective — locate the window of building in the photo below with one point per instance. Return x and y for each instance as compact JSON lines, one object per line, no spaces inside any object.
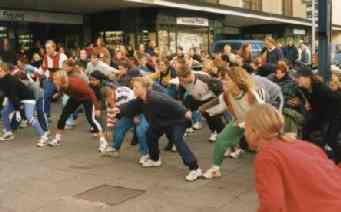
{"x":252,"y":4}
{"x":287,"y":7}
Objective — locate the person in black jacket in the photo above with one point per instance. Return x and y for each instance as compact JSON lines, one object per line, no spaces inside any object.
{"x":290,"y":53}
{"x":165,"y":116}
{"x":324,"y":111}
{"x":17,"y":96}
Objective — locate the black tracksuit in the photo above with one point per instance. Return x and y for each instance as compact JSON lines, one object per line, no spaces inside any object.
{"x":325,"y":114}
{"x":165,"y":116}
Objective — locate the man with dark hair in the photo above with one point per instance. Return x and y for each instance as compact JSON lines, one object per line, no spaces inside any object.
{"x":201,"y":89}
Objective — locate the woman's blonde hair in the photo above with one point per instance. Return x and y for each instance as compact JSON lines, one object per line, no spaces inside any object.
{"x":63,"y":76}
{"x":267,"y":121}
{"x":272,"y":41}
{"x":146,"y":82}
{"x":240,"y":76}
{"x":4,"y":67}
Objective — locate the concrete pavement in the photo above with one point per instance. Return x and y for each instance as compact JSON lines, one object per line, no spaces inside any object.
{"x":53,"y":179}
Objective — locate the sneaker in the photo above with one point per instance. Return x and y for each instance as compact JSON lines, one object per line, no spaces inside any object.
{"x":110,"y":152}
{"x":228,"y":152}
{"x":7,"y":136}
{"x":103,"y":144}
{"x":69,"y":127}
{"x":54,"y":142}
{"x":169,"y":146}
{"x":23,"y":124}
{"x":151,"y":163}
{"x":189,"y":130}
{"x":47,"y":133}
{"x":194,"y":175}
{"x":143,"y":158}
{"x":236,"y":154}
{"x":197,"y":126}
{"x":213,"y":137}
{"x":173,"y":148}
{"x":213,"y":172}
{"x":43,"y":141}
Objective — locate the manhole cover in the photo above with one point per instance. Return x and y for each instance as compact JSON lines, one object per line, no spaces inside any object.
{"x":110,"y":195}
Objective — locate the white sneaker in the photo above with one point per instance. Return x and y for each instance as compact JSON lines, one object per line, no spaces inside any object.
{"x":23,"y":124}
{"x":228,"y":152}
{"x":189,"y":130}
{"x":103,"y":144}
{"x":173,"y":148}
{"x":213,"y":172}
{"x":7,"y":136}
{"x":143,"y":159}
{"x":197,"y":126}
{"x":47,"y":133}
{"x":110,"y":152}
{"x":54,"y":142}
{"x":236,"y":154}
{"x":194,"y":175}
{"x":151,"y":163}
{"x":42,"y":141}
{"x":213,"y":137}
{"x":69,"y":127}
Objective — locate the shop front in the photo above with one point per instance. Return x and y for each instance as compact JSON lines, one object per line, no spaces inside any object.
{"x":186,"y":30}
{"x":22,"y":28}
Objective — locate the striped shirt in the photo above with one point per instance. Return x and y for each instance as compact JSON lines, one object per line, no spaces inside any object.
{"x":123,"y":95}
{"x":55,"y":62}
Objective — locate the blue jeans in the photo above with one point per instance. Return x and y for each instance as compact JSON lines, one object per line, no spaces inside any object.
{"x":41,"y":115}
{"x":29,"y":109}
{"x":49,"y":91}
{"x":196,"y":117}
{"x":121,"y":128}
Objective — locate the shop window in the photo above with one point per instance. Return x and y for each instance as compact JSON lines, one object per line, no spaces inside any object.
{"x":114,"y":37}
{"x":25,"y":40}
{"x":3,"y":32}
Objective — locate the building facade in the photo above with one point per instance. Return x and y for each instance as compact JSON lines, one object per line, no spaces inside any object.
{"x":170,"y":23}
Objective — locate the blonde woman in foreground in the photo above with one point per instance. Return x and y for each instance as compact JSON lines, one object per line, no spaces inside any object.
{"x":291,"y":175}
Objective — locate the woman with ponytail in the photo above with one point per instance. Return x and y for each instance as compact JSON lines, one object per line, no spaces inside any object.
{"x":239,"y":96}
{"x":291,"y":175}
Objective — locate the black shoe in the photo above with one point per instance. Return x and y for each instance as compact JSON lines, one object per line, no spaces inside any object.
{"x":169,"y":147}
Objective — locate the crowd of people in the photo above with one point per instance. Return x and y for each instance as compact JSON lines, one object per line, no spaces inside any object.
{"x":157,"y":94}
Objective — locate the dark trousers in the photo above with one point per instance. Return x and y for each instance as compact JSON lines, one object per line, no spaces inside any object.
{"x":89,"y":109}
{"x":41,"y":115}
{"x":331,"y":138}
{"x":215,"y":123}
{"x":329,"y":132}
{"x":175,"y":133}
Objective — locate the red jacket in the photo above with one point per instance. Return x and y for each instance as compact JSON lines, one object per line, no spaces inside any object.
{"x":296,"y":177}
{"x":81,"y":91}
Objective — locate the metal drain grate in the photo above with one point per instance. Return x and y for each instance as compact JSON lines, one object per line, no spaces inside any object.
{"x":110,"y":195}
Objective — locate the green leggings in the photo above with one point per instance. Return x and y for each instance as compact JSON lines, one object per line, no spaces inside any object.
{"x":228,"y":138}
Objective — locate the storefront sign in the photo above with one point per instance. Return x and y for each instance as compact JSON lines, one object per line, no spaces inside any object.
{"x":299,"y":31}
{"x":193,"y":21}
{"x":40,"y":17}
